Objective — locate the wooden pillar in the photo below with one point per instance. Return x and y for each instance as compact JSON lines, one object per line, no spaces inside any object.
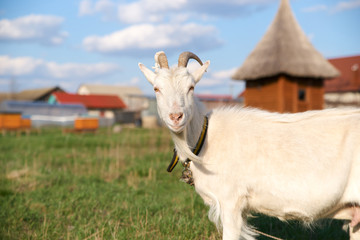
{"x":295,"y":90}
{"x":281,"y":94}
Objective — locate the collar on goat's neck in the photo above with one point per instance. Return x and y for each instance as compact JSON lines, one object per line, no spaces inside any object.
{"x":196,"y":150}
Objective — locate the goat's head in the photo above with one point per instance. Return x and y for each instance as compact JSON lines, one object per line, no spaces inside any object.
{"x":174,"y":88}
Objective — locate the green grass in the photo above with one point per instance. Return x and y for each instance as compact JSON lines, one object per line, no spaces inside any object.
{"x":109,"y":186}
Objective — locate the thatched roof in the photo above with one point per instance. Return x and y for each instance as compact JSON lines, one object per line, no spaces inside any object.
{"x":285,"y":49}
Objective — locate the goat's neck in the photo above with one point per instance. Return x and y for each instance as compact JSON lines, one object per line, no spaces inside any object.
{"x":194,"y":128}
{"x":186,"y":140}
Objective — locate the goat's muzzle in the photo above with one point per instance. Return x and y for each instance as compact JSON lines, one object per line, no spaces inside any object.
{"x":176,"y":117}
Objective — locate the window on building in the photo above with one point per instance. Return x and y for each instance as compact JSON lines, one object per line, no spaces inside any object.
{"x":302,"y":94}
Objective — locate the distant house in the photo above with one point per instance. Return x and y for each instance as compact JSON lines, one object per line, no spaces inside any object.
{"x":149,"y":116}
{"x":37,"y":95}
{"x":5,"y":96}
{"x":344,"y":90}
{"x":31,"y":95}
{"x":107,"y":107}
{"x":45,"y":114}
{"x":133,"y":97}
{"x":285,"y":73}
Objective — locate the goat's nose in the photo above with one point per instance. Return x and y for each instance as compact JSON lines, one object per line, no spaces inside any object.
{"x":176,"y":116}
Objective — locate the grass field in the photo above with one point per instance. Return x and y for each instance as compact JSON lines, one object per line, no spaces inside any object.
{"x":109,"y":186}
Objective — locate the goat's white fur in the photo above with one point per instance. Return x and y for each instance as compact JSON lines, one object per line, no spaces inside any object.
{"x":301,"y":166}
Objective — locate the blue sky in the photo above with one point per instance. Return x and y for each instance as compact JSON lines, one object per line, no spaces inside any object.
{"x":69,"y":42}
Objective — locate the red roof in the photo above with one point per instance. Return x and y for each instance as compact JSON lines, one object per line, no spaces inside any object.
{"x":91,"y":101}
{"x":349,"y":80}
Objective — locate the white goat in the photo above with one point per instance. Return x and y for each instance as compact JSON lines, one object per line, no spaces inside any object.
{"x":301,"y":166}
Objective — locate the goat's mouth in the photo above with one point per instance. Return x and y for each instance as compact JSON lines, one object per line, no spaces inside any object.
{"x":176,"y":128}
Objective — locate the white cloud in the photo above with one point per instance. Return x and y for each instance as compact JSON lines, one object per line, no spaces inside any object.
{"x":146,"y":37}
{"x":86,"y":8}
{"x":155,"y":11}
{"x":224,"y":74}
{"x":217,"y":78}
{"x":164,"y":25}
{"x":316,"y":8}
{"x":220,"y":82}
{"x":34,"y":28}
{"x":78,"y":70}
{"x":30,"y":67}
{"x":134,"y":81}
{"x":18,"y":66}
{"x":149,"y":10}
{"x":346,"y":5}
{"x":105,"y":7}
{"x":211,"y":82}
{"x":339,"y":7}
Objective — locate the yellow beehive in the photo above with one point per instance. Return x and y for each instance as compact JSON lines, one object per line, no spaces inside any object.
{"x":10,"y":120}
{"x":86,"y":123}
{"x":26,"y":123}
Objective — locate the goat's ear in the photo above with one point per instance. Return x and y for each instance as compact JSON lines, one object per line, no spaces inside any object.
{"x":199,"y":73}
{"x":150,"y":75}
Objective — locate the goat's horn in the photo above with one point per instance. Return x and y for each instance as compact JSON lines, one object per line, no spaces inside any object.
{"x":162,"y":60}
{"x":185,"y":57}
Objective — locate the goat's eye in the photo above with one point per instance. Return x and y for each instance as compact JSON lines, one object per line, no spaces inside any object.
{"x":191,"y":88}
{"x":156,"y":89}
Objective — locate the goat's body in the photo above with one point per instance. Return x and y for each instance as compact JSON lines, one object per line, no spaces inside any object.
{"x":301,"y":166}
{"x":292,"y":166}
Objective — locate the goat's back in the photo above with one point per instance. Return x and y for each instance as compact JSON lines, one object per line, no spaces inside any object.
{"x":302,"y":159}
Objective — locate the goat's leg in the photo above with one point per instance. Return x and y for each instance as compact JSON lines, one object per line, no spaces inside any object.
{"x":354,"y":232}
{"x":234,"y":226}
{"x":354,"y":225}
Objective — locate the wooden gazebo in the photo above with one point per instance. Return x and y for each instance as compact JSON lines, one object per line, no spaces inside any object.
{"x":285,"y":73}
